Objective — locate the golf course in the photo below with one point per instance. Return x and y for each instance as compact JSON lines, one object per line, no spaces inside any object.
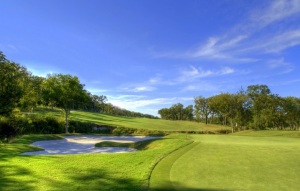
{"x":246,"y":160}
{"x":128,"y":95}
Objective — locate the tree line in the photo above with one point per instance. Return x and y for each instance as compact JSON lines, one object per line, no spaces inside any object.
{"x":255,"y":108}
{"x":19,"y":88}
{"x":177,"y":112}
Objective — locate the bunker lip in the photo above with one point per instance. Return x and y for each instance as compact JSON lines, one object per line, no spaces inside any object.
{"x":84,"y":144}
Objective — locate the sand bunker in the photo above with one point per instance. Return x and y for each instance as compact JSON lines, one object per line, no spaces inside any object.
{"x":84,"y":144}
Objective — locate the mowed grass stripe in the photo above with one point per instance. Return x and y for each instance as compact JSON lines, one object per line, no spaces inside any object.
{"x":160,"y":176}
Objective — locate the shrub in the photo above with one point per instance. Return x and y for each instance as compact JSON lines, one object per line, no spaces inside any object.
{"x":80,"y":127}
{"x":131,"y":131}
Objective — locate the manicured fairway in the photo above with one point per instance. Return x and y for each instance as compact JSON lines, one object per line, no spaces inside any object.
{"x":126,"y":171}
{"x":233,"y":162}
{"x":133,"y":122}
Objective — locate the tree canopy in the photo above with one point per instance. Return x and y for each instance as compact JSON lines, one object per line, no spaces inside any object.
{"x":256,"y":108}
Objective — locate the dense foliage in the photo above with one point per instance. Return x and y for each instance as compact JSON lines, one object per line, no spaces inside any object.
{"x":177,"y":112}
{"x":255,"y":108}
{"x":22,"y":91}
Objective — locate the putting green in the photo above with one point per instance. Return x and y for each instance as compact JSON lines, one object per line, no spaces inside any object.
{"x":230,"y":162}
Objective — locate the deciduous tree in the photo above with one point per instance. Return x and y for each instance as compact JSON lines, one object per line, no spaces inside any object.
{"x":65,"y":91}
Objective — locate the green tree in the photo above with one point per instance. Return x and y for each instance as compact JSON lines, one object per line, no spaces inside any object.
{"x":65,"y":90}
{"x":32,"y":92}
{"x":188,"y":113}
{"x":259,"y":102}
{"x":291,"y":106}
{"x":229,"y":106}
{"x":202,"y":109}
{"x":12,"y":79}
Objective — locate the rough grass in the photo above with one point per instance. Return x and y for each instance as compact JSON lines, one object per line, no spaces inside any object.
{"x":230,"y":162}
{"x":124,"y":171}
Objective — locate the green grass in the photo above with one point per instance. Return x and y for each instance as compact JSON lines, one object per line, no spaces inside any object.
{"x":124,"y":171}
{"x":269,"y":133}
{"x":131,"y":122}
{"x":257,"y":161}
{"x":22,"y":145}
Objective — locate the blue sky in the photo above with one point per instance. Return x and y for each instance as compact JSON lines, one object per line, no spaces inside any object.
{"x":146,"y":55}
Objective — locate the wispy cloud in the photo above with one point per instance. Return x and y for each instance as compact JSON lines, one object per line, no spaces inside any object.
{"x":195,"y":73}
{"x":278,"y":42}
{"x":277,"y":11}
{"x":217,"y":48}
{"x":280,"y":65}
{"x":139,"y":88}
{"x":201,"y":87}
{"x":243,"y":41}
{"x":135,"y":102}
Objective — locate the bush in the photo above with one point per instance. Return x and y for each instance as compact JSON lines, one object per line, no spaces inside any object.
{"x":131,"y":131}
{"x":80,"y":127}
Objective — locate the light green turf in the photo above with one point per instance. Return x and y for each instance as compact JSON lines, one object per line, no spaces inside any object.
{"x":125,"y":171}
{"x":233,"y":162}
{"x":138,"y":123}
{"x":269,"y":133}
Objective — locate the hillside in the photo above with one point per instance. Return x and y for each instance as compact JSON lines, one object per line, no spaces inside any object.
{"x":137,"y":123}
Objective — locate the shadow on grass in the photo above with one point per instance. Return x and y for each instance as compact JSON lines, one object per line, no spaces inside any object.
{"x":28,"y":139}
{"x":19,"y":178}
{"x":9,"y":180}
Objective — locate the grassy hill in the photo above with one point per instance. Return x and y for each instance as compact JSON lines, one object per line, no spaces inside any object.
{"x":137,"y":123}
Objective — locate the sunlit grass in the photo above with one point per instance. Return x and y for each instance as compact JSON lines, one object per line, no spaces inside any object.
{"x":132,"y":122}
{"x":125,"y":171}
{"x":144,"y":123}
{"x":231,"y":162}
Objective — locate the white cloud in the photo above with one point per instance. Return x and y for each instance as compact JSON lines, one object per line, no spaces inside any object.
{"x":135,"y":102}
{"x":278,"y":10}
{"x":226,"y":70}
{"x":195,"y":73}
{"x":216,"y":48}
{"x":140,"y":89}
{"x":247,"y":37}
{"x":281,"y":42}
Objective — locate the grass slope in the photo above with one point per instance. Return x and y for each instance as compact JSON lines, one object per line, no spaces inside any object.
{"x":257,"y":161}
{"x":124,"y":171}
{"x":131,"y":122}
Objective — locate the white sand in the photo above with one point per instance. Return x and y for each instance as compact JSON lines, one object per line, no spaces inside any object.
{"x":84,"y":144}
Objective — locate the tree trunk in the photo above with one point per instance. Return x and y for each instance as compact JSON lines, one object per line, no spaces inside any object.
{"x":232,"y":128}
{"x":67,"y":120}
